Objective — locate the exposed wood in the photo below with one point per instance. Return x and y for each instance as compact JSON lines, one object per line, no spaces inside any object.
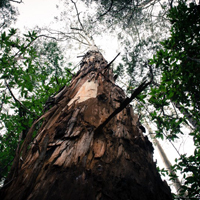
{"x":72,"y":158}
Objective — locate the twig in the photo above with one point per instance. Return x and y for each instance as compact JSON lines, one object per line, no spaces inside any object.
{"x":107,"y":10}
{"x":78,"y":14}
{"x":144,"y":4}
{"x":70,"y":71}
{"x":17,"y":1}
{"x":82,"y":27}
{"x":194,"y":59}
{"x":17,"y":101}
{"x":2,"y":24}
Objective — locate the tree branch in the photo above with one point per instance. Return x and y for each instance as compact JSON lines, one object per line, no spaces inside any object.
{"x":82,"y":27}
{"x":123,"y":105}
{"x":17,"y":101}
{"x":78,"y":14}
{"x":194,"y":59}
{"x":16,"y":1}
{"x":109,"y":64}
{"x":107,"y":10}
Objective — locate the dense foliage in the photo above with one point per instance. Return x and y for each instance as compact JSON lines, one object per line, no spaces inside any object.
{"x":179,"y":88}
{"x":8,"y":12}
{"x":30,"y":73}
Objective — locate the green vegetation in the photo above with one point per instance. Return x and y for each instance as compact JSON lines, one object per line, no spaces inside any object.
{"x":179,"y":87}
{"x":31,"y":71}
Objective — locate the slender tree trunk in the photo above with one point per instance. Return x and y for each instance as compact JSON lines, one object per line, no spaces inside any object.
{"x":75,"y":155}
{"x":189,"y":117}
{"x":164,"y":157}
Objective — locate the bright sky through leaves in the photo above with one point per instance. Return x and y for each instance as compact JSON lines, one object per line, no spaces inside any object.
{"x":42,"y":13}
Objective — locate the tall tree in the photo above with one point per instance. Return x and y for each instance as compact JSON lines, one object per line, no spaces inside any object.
{"x":88,"y":146}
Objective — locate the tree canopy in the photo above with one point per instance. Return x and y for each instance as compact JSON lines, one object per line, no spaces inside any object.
{"x":8,"y":12}
{"x":179,"y":62}
{"x":33,"y":70}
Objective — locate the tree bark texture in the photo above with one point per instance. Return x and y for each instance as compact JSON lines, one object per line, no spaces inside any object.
{"x":71,"y":158}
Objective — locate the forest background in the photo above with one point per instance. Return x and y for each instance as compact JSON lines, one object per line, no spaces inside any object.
{"x":164,"y":36}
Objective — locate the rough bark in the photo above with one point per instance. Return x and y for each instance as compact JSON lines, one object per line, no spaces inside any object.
{"x":71,"y":158}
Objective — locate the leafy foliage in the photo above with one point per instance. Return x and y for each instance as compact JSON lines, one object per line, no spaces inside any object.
{"x":121,"y":12}
{"x":179,"y":88}
{"x":30,"y":73}
{"x":33,"y":71}
{"x":8,"y":12}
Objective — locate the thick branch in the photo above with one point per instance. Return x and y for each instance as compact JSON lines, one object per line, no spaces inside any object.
{"x":109,"y":64}
{"x":123,"y":105}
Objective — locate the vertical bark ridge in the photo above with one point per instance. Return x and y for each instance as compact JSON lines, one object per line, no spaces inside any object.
{"x":69,"y":160}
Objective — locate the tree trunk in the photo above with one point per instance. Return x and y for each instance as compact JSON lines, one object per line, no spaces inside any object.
{"x":164,"y":157}
{"x":189,"y":117}
{"x":72,"y":158}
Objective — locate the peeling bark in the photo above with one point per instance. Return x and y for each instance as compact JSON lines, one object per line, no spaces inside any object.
{"x":72,"y":158}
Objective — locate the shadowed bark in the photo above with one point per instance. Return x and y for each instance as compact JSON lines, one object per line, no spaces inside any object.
{"x":72,"y":158}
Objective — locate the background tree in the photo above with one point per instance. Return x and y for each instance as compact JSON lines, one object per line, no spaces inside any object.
{"x":178,"y":61}
{"x":30,"y":74}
